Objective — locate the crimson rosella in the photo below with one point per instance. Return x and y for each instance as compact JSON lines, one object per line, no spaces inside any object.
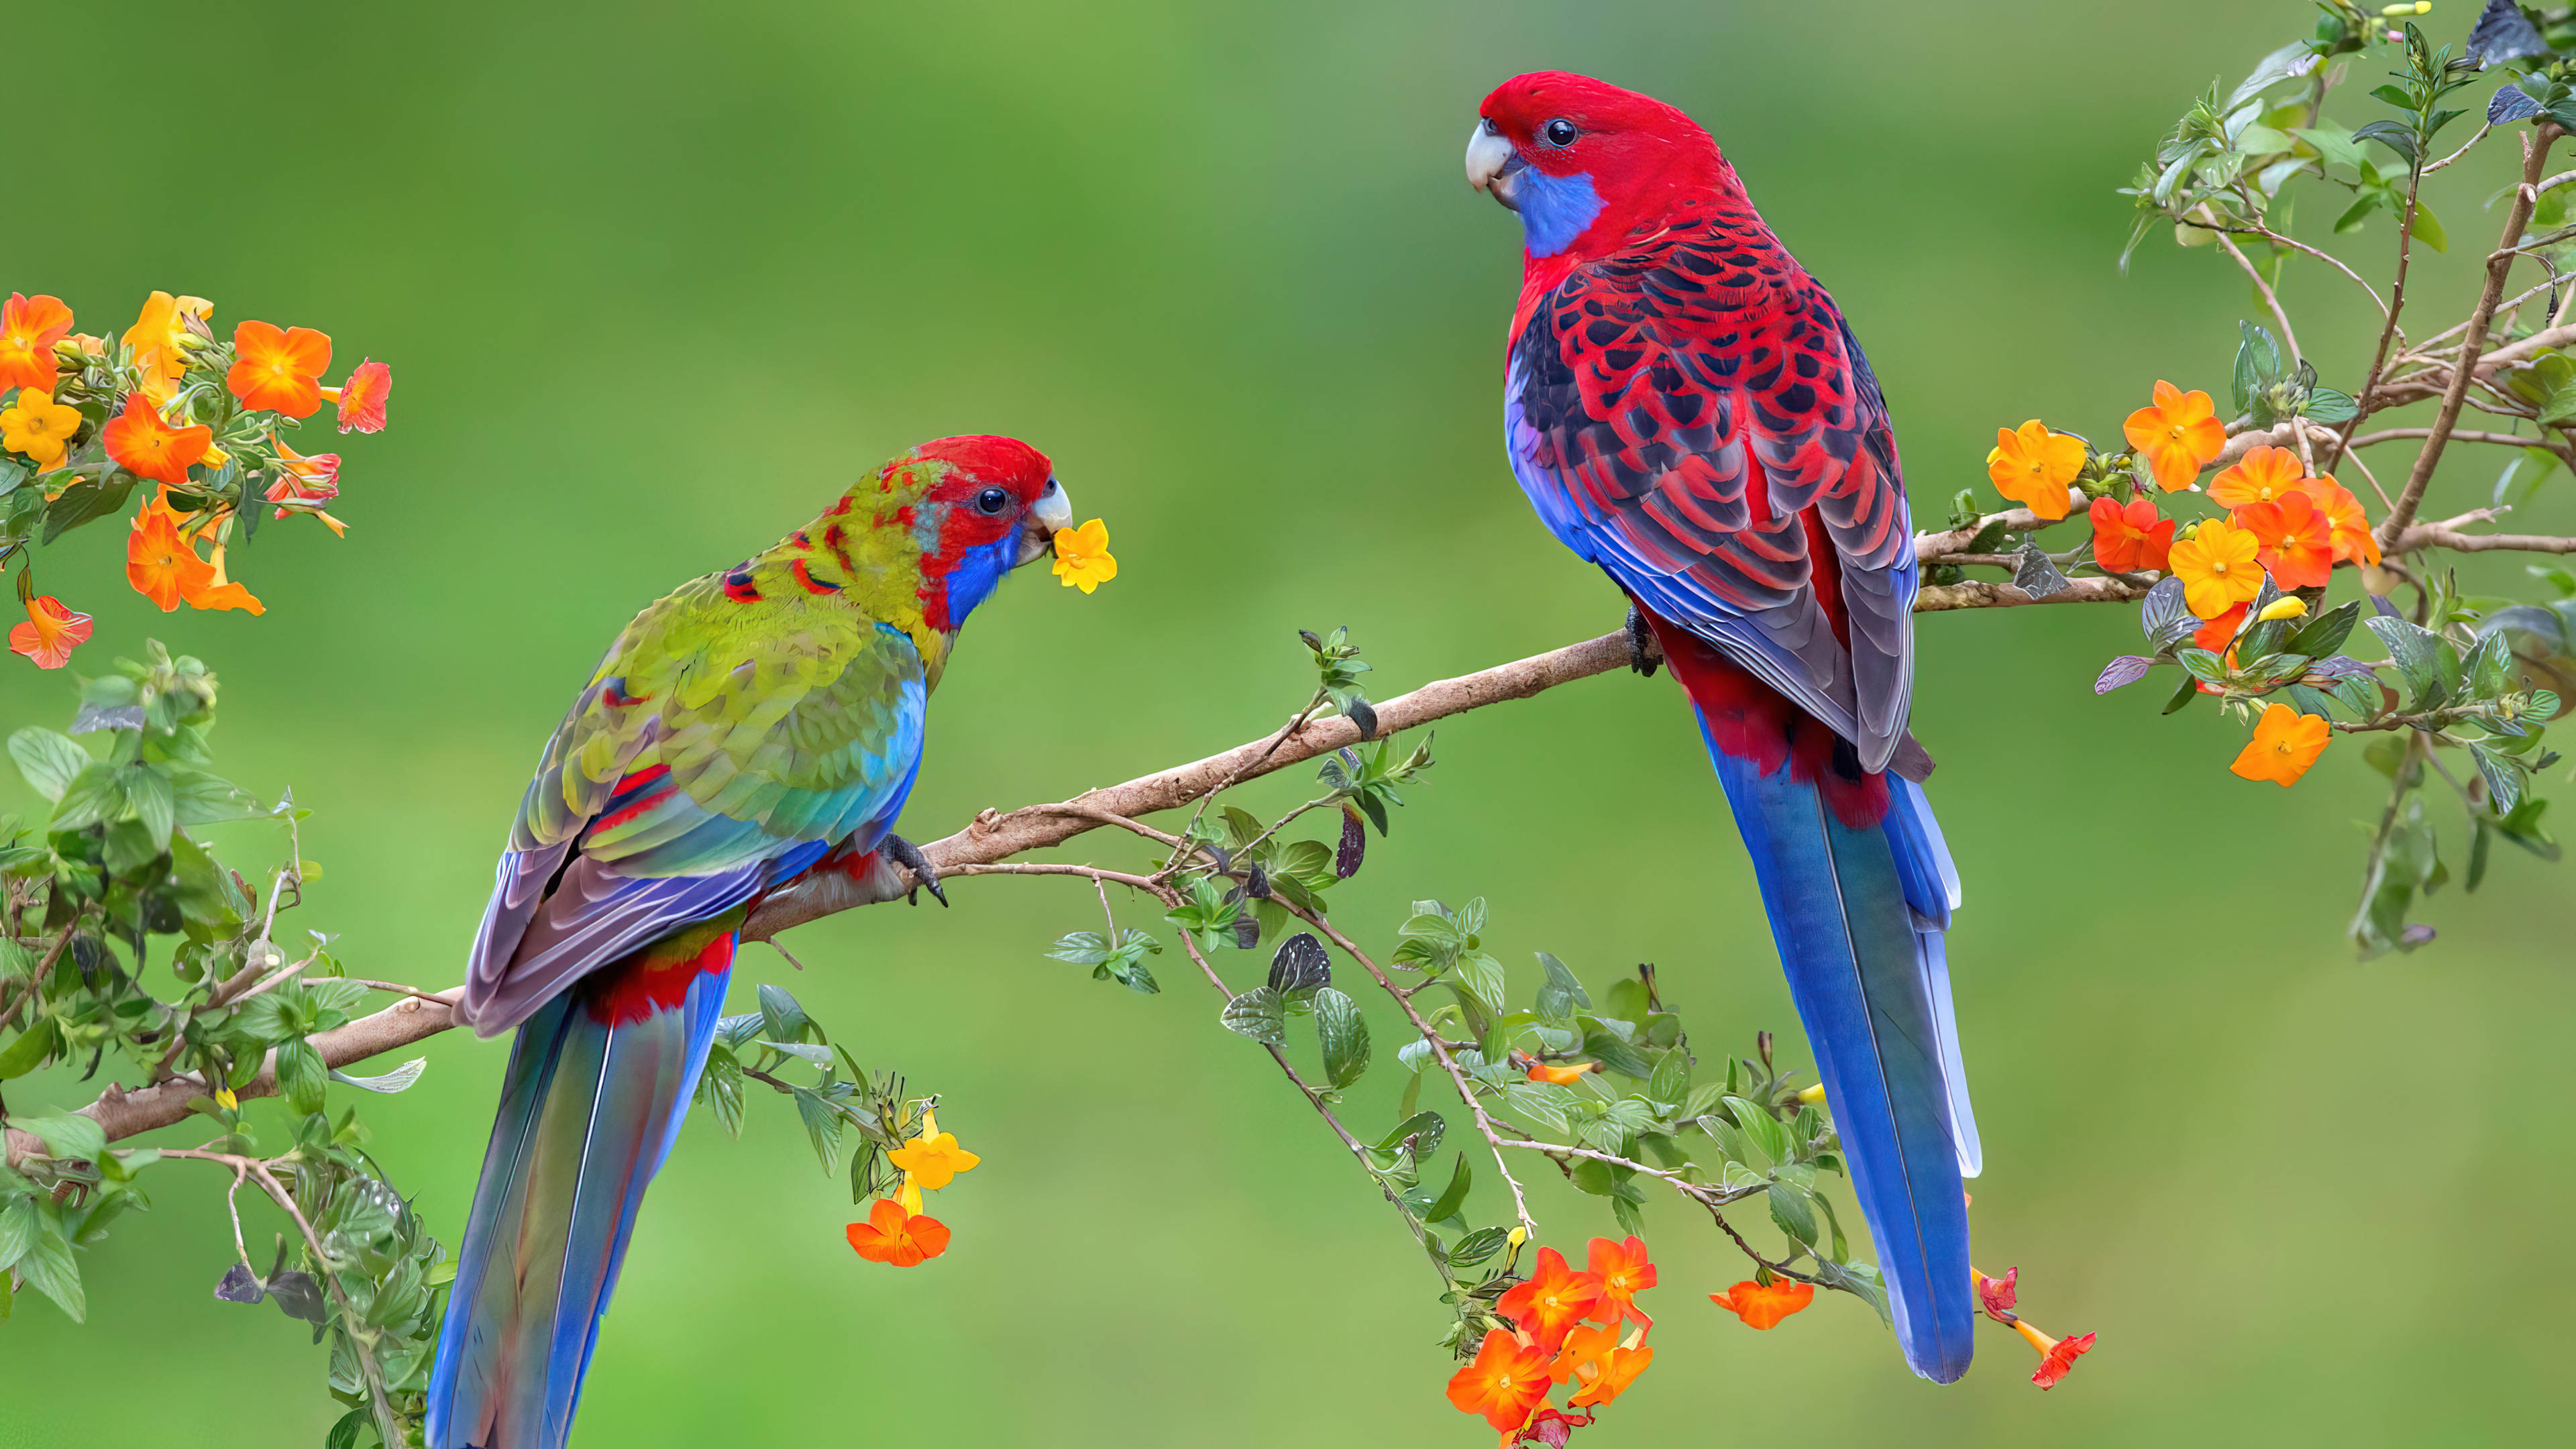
{"x":755,"y":731}
{"x":1686,"y":408}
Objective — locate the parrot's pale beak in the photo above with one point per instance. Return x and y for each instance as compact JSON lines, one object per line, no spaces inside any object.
{"x":1052,"y":512}
{"x":1494,"y":165}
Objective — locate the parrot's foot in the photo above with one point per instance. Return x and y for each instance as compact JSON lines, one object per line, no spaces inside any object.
{"x":909,"y":856}
{"x":1645,"y":653}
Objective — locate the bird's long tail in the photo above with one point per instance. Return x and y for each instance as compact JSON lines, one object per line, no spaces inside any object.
{"x":599,"y":1079}
{"x":1859,"y":888}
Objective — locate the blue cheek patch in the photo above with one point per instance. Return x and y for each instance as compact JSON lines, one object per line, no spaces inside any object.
{"x":978,"y":572}
{"x":1556,"y":209}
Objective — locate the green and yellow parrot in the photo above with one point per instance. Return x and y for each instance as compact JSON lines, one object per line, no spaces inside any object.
{"x":754,"y":731}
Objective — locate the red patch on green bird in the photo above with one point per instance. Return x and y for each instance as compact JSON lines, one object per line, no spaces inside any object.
{"x":807,"y":579}
{"x":739,"y":587}
{"x":645,"y":983}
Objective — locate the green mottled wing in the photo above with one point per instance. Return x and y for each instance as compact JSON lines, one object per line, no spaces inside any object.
{"x":722,"y":746}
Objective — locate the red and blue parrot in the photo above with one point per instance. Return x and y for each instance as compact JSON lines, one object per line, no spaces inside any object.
{"x":1686,"y":408}
{"x":755,"y":731}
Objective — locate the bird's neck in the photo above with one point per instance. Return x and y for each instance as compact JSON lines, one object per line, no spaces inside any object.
{"x":1635,"y":221}
{"x":864,"y":553}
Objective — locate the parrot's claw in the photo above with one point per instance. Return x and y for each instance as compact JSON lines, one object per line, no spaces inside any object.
{"x":1645,"y":654}
{"x":909,"y":856}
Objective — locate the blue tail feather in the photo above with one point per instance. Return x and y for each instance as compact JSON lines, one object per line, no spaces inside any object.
{"x":588,"y":1112}
{"x":1858,"y":916}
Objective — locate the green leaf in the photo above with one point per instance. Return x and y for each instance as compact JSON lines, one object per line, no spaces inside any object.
{"x":31,"y":1050}
{"x":2333,"y":145}
{"x":1790,"y":1213}
{"x":1258,"y":1014}
{"x":1671,"y":1080}
{"x":1477,"y":1246}
{"x":1544,"y":1103}
{"x":1561,"y":992}
{"x":1483,"y":975}
{"x":49,"y":761}
{"x":2325,"y":633}
{"x":301,"y":1077}
{"x":1429,"y":1127}
{"x":2504,"y":778}
{"x":1344,"y":1035}
{"x":48,"y":1268}
{"x":68,"y":1135}
{"x":1454,"y":1196}
{"x":2428,"y":229}
{"x":822,"y":1126}
{"x":781,"y":1018}
{"x":86,"y":500}
{"x":1761,"y":1128}
{"x":19,"y":1226}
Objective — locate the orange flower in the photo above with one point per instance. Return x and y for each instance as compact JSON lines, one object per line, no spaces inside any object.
{"x":150,"y":448}
{"x":278,"y":372}
{"x":2178,"y":436}
{"x":1550,"y":1300}
{"x":2349,"y":526}
{"x":2285,"y":744}
{"x":1761,"y":1305}
{"x":2056,"y":1356}
{"x":891,"y":1235}
{"x":29,"y":328}
{"x":1566,"y":1076}
{"x":38,"y":427}
{"x":159,"y":340}
{"x":2297,"y":541}
{"x":2265,"y":475}
{"x":2217,"y":568}
{"x":1584,"y":1345}
{"x":1507,"y":1381}
{"x":2218,"y":633}
{"x":1608,"y":1377}
{"x":362,"y":397}
{"x":1624,"y":1273}
{"x":2032,"y":466}
{"x":164,"y":567}
{"x":50,"y":633}
{"x":2126,"y":540}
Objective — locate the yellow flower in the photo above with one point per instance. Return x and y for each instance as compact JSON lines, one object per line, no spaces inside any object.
{"x":932,"y":1159}
{"x":225,"y":1099}
{"x":1082,"y":556}
{"x":38,"y":426}
{"x":2289,"y":606}
{"x":2217,"y":568}
{"x":159,"y":339}
{"x":2285,"y":744}
{"x":2032,"y":466}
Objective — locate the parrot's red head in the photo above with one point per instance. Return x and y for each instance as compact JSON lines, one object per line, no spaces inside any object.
{"x":988,"y":505}
{"x":1587,"y":165}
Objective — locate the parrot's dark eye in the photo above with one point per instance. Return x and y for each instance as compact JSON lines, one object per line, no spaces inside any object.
{"x":992,"y":500}
{"x":1560,"y":132}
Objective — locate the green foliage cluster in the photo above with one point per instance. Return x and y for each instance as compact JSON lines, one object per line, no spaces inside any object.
{"x":1640,"y":1116}
{"x":123,"y":934}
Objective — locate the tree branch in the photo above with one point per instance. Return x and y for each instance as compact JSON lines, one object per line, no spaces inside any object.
{"x":2535,"y":157}
{"x":994,"y":837}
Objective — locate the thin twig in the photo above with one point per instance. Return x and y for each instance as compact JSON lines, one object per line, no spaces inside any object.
{"x":1439,"y":1051}
{"x":2499,"y":268}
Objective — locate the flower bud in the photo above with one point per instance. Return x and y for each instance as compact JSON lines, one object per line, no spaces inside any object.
{"x":2289,"y":607}
{"x":1813,"y":1096}
{"x":1518,"y":1236}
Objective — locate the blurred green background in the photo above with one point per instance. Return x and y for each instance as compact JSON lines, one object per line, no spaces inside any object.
{"x":657,"y":280}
